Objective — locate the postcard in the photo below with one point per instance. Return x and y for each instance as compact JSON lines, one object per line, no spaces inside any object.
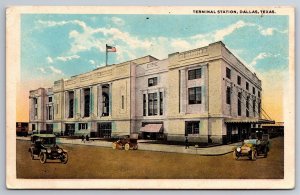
{"x":103,"y":97}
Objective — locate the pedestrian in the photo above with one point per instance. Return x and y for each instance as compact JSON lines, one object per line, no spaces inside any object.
{"x":186,"y":142}
{"x":82,"y":139}
{"x":87,"y":138}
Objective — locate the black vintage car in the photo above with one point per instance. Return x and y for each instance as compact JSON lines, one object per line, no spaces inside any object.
{"x":44,"y":146}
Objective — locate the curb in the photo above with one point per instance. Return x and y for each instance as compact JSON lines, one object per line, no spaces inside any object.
{"x":143,"y":147}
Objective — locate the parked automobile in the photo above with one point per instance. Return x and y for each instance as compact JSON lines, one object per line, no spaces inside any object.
{"x":126,"y":142}
{"x":251,"y":148}
{"x":44,"y":147}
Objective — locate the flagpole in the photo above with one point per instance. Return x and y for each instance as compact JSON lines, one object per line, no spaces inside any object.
{"x":105,"y":54}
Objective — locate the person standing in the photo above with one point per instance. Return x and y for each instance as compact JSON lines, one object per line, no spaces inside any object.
{"x":82,"y":138}
{"x":186,"y":142}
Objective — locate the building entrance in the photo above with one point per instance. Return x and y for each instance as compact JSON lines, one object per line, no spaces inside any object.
{"x":70,"y":129}
{"x":104,"y":130}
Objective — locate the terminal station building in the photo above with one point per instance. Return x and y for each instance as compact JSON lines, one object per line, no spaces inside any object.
{"x":206,"y":94}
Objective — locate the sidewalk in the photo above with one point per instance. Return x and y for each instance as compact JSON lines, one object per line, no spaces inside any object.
{"x":209,"y":151}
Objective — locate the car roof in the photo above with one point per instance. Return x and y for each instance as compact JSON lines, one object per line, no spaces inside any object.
{"x":43,"y":135}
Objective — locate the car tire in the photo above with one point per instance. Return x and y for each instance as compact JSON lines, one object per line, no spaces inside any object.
{"x":235,"y":156}
{"x":43,"y":157}
{"x":65,"y":158}
{"x":127,"y":146}
{"x":114,"y":146}
{"x":266,"y":152}
{"x":135,"y":147}
{"x":31,"y":155}
{"x":254,"y":155}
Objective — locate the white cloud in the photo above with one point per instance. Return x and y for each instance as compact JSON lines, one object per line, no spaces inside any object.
{"x":92,"y":62}
{"x":260,"y":56}
{"x":49,"y":60}
{"x":42,"y":70}
{"x":267,"y":31}
{"x":55,"y":70}
{"x":67,"y":58}
{"x":130,"y":46}
{"x":118,"y":21}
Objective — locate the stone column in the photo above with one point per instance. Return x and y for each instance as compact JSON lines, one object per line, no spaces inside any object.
{"x":95,"y":100}
{"x":110,"y":99}
{"x":81,"y":102}
{"x":66,"y":104}
{"x":100,"y":99}
{"x":183,"y":89}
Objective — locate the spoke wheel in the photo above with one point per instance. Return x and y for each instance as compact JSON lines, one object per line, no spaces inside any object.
{"x":43,"y":157}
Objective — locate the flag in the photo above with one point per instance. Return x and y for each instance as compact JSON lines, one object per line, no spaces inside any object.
{"x":110,"y":49}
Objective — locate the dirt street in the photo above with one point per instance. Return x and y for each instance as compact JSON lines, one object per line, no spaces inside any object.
{"x":98,"y":162}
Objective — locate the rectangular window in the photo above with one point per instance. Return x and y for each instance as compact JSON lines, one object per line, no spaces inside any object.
{"x":152,"y":104}
{"x":254,"y":105}
{"x":258,"y":94}
{"x":247,"y":107}
{"x":161,"y":104}
{"x":82,"y":126}
{"x":239,"y":104}
{"x":194,"y":74}
{"x":87,"y":102}
{"x":228,"y":73}
{"x":144,"y":105}
{"x":195,"y":95}
{"x":35,"y":101}
{"x":71,"y":104}
{"x":253,"y":90}
{"x":247,"y":85}
{"x":259,"y":108}
{"x":192,"y":127}
{"x":122,"y":101}
{"x":228,"y":95}
{"x":239,"y":80}
{"x":152,"y":81}
{"x":50,"y":99}
{"x":50,"y":113}
{"x":33,"y":127}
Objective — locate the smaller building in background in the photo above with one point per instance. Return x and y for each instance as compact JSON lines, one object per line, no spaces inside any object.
{"x":274,"y":130}
{"x":21,"y":129}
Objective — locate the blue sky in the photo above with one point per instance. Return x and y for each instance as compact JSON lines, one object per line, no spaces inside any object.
{"x":55,"y":46}
{"x":72,"y":44}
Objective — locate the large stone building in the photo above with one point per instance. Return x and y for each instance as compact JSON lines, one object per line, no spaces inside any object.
{"x":206,"y":94}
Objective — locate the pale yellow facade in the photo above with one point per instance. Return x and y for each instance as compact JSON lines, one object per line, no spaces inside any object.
{"x":122,"y":99}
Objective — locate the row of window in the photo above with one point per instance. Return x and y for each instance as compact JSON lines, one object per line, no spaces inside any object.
{"x":152,"y":104}
{"x":239,"y":81}
{"x":228,"y":101}
{"x":192,"y":74}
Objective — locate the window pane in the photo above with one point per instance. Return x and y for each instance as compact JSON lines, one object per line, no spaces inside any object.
{"x":198,"y":73}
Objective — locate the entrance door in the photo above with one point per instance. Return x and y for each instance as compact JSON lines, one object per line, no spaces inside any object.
{"x":70,"y":129}
{"x":229,"y":133}
{"x":104,"y":129}
{"x":49,"y":128}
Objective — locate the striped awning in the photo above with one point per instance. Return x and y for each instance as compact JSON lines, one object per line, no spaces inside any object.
{"x":249,"y":120}
{"x":152,"y":128}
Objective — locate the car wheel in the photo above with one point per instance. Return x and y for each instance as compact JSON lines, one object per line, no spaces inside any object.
{"x":114,"y":146}
{"x":43,"y":157}
{"x":127,"y":146}
{"x":65,"y":158}
{"x":31,"y":155}
{"x":254,"y":155}
{"x":266,"y":152}
{"x":135,"y":147}
{"x":235,"y":155}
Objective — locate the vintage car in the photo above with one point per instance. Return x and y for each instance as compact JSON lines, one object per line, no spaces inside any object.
{"x":126,"y":142}
{"x":252,"y":148}
{"x":44,"y":146}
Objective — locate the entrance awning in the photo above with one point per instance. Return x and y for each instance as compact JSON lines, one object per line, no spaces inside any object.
{"x":249,"y":120}
{"x":152,"y":128}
